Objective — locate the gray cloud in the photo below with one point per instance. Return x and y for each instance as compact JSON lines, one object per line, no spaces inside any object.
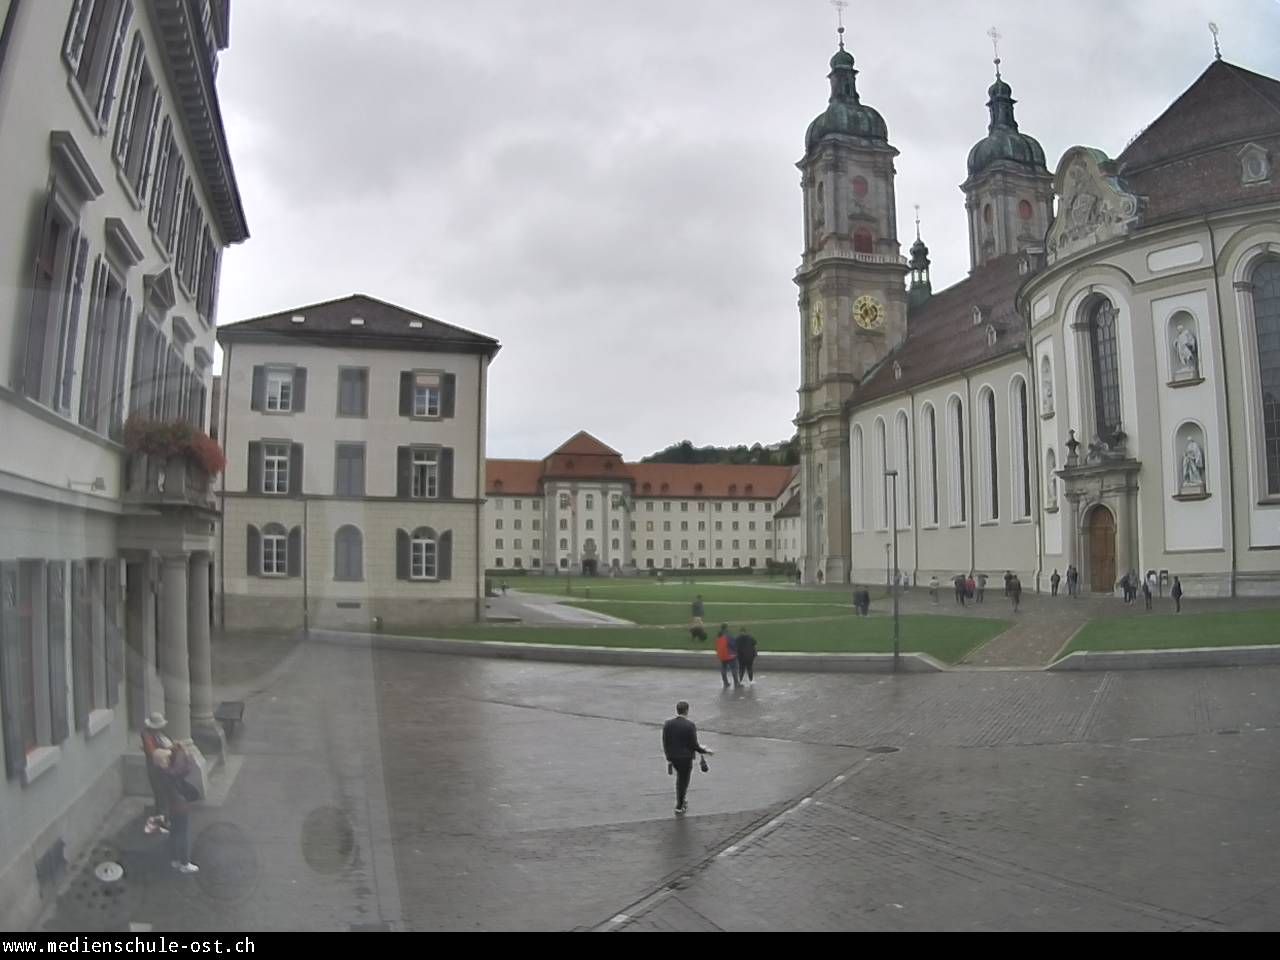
{"x":611,"y":189}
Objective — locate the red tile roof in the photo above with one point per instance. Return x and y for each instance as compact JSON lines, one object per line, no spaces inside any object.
{"x":692,"y":480}
{"x":584,"y":444}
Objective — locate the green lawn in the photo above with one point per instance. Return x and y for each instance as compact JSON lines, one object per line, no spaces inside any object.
{"x":654,"y":612}
{"x":763,"y":589}
{"x":947,"y":638}
{"x":1167,"y":631}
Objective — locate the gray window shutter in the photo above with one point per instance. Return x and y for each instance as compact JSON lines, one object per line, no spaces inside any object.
{"x":73,"y":42}
{"x":402,"y":556}
{"x":447,"y":394}
{"x":108,"y":89}
{"x":30,"y":363}
{"x":258,"y":399}
{"x":406,"y":393}
{"x":80,"y":245}
{"x":295,"y":469}
{"x":148,"y":150}
{"x":128,"y":100}
{"x":404,"y":464}
{"x":446,"y":473}
{"x":81,"y":644}
{"x":444,"y":556}
{"x":254,"y":482}
{"x":56,"y":626}
{"x":15,"y":756}
{"x":299,"y":389}
{"x":114,"y":621}
{"x":253,"y":552}
{"x":293,"y":561}
{"x":362,"y":388}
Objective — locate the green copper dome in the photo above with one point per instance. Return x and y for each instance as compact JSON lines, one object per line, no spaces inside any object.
{"x":846,"y":115}
{"x":1003,"y":141}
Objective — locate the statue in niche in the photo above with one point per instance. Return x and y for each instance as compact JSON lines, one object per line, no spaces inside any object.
{"x":1193,"y":466}
{"x":1046,"y":395}
{"x":1188,"y":351}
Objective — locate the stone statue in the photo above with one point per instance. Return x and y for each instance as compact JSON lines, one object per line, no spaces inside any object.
{"x":1046,"y":395}
{"x":1188,"y":351}
{"x":1193,"y":464}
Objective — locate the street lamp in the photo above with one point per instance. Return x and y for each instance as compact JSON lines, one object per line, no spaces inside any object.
{"x":891,"y":478}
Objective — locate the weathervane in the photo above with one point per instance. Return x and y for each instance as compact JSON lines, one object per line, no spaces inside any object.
{"x":917,"y":221}
{"x":1217,"y":50}
{"x":994,"y":34}
{"x":840,"y":5}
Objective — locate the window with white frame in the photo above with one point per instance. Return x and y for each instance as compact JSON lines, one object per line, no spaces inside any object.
{"x":280,"y":390}
{"x":931,"y":464}
{"x":422,"y":557}
{"x":426,"y":395}
{"x":92,"y":47}
{"x":857,"y":491}
{"x":517,"y":544}
{"x":902,"y":461}
{"x":879,"y":482}
{"x":275,"y":468}
{"x":425,"y":473}
{"x":517,"y":504}
{"x":591,"y":501}
{"x":275,"y":551}
{"x":959,"y":481}
{"x":497,"y":524}
{"x":138,"y":120}
{"x":988,"y":462}
{"x":516,"y":523}
{"x":1021,"y":473}
{"x":564,"y":501}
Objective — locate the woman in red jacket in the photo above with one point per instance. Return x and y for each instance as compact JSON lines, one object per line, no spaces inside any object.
{"x":727,"y":651}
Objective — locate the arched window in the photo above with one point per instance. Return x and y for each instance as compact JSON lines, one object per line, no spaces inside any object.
{"x":878,"y":479}
{"x":857,"y":496}
{"x":987,"y":459}
{"x":1019,"y":448}
{"x":348,"y":554}
{"x":931,"y":463}
{"x":1266,"y":315}
{"x":1106,"y":368}
{"x":959,"y":493}
{"x":863,"y":242}
{"x":902,"y":457}
{"x":423,"y":554}
{"x":275,"y":551}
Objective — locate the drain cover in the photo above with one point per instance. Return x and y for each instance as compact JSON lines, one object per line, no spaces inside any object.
{"x":882,"y":749}
{"x":108,"y":871}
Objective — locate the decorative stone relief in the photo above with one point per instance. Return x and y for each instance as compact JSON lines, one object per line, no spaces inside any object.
{"x":1255,"y":164}
{"x":1093,"y":205}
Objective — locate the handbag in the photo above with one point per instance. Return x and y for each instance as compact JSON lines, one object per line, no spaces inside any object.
{"x":703,"y":765}
{"x":188,"y":791}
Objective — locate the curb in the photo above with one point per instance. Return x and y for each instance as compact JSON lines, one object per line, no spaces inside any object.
{"x":615,"y":657}
{"x":1157,"y":659}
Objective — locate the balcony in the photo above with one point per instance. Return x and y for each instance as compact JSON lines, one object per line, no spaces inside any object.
{"x":170,"y":464}
{"x":845,"y":251}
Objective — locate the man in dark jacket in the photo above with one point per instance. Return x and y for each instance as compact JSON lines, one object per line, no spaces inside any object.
{"x":680,"y":745}
{"x":746,"y":656}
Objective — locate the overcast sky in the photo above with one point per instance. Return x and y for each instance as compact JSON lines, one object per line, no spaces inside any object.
{"x":610,"y":189}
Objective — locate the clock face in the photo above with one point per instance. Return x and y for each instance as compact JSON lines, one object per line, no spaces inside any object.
{"x":868,"y":313}
{"x":815,"y":320}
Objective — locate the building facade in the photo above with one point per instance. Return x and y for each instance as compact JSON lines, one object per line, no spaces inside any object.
{"x":582,"y":509}
{"x":355,"y":437}
{"x":119,"y":198}
{"x":1101,"y":391}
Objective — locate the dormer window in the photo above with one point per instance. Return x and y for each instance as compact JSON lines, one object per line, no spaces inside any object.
{"x":1255,"y":164}
{"x":897,"y":370}
{"x":977,"y":316}
{"x":991,"y":336}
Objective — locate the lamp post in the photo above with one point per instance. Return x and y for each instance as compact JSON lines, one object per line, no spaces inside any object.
{"x":891,"y":478}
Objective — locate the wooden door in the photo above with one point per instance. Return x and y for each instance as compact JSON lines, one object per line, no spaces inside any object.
{"x":1102,"y":551}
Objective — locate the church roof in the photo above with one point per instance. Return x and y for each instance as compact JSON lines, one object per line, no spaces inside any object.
{"x":942,"y":337}
{"x":1187,"y":161}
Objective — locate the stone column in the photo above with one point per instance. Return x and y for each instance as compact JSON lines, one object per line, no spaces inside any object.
{"x":203,"y":728}
{"x":175,"y":663}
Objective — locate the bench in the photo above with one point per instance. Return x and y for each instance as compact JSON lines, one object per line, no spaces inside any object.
{"x":229,"y":713}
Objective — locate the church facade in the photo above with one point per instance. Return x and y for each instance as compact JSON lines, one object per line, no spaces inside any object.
{"x":1102,"y":390}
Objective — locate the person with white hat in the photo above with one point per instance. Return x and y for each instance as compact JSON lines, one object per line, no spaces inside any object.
{"x":153,"y":739}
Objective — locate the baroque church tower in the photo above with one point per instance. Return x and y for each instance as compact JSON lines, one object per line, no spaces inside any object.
{"x":1009,"y":190}
{"x":853,"y":302}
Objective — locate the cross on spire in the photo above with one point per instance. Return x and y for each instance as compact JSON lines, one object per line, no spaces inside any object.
{"x":840,"y":5}
{"x":1217,"y":50}
{"x":994,"y":34}
{"x":917,"y":221}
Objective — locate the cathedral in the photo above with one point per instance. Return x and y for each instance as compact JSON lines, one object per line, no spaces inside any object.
{"x":1101,"y":392}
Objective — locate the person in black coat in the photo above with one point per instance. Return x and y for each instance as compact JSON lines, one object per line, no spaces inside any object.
{"x":680,"y":745}
{"x":747,"y":650}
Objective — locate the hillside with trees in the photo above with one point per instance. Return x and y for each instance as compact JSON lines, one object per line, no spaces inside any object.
{"x":783,"y":454}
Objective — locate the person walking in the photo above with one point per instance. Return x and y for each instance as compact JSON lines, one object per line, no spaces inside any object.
{"x":982,"y":587}
{"x":697,"y":631}
{"x":1015,"y":592}
{"x":747,"y":650}
{"x":933,"y":589}
{"x":727,"y":652}
{"x":504,"y":588}
{"x":960,"y":588}
{"x":175,"y":765}
{"x":153,"y":739}
{"x":1176,"y":593}
{"x":1008,"y":581}
{"x":1146,"y":593}
{"x":680,"y":745}
{"x":1054,"y":581}
{"x":698,"y":610}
